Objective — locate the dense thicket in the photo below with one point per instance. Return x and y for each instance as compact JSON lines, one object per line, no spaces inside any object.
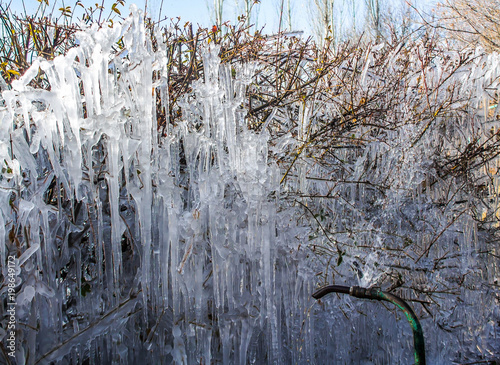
{"x":210,"y":179}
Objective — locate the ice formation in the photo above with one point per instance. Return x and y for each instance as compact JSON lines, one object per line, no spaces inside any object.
{"x":136,"y":248}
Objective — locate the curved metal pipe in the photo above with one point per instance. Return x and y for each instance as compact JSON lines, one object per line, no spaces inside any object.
{"x":377,"y":294}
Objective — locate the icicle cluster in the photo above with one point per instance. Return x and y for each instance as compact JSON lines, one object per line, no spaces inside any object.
{"x":135,"y":248}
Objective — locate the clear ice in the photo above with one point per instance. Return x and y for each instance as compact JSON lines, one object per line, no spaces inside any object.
{"x":135,"y":248}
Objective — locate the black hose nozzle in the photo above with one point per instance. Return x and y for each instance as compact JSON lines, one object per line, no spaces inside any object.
{"x":355,"y":291}
{"x":320,"y":293}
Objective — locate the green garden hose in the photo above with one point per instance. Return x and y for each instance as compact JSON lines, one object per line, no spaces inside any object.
{"x":377,"y":294}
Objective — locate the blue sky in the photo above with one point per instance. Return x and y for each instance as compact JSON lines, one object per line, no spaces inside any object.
{"x":196,"y":11}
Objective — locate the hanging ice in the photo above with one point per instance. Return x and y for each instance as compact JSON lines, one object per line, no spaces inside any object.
{"x":135,"y":248}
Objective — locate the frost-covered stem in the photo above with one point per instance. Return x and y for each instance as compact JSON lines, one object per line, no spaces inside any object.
{"x":325,"y":27}
{"x":373,"y":7}
{"x":218,"y":11}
